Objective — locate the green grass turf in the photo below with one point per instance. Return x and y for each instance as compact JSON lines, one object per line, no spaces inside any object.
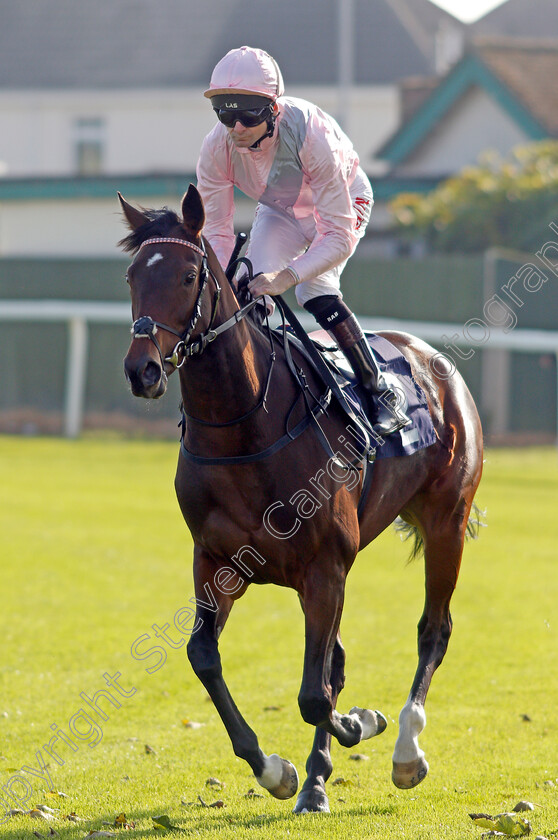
{"x":94,"y":552}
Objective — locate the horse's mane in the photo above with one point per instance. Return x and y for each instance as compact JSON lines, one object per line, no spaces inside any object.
{"x":160,"y":223}
{"x":164,"y":222}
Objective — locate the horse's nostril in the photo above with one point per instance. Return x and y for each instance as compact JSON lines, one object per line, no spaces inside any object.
{"x":151,"y":374}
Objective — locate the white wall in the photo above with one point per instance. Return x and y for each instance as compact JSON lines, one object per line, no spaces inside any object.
{"x":476,"y":123}
{"x":79,"y":227}
{"x":146,"y":131}
{"x":150,"y":130}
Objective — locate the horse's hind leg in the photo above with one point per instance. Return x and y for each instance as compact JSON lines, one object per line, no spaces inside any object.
{"x":275,"y":774}
{"x":443,"y":547}
{"x":312,"y":796}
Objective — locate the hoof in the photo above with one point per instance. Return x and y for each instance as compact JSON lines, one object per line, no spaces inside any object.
{"x":373,"y":723}
{"x":279,"y":777}
{"x":311,"y":802}
{"x":408,"y":774}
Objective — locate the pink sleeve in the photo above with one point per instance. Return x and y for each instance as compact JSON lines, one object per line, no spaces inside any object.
{"x":329,"y":163}
{"x":217,"y":192}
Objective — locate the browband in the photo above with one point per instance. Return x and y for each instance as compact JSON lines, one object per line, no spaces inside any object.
{"x":160,"y":239}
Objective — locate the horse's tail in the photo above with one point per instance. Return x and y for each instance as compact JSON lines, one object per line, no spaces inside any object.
{"x":407,"y":531}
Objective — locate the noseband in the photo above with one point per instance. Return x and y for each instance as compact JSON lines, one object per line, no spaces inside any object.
{"x":146,"y":327}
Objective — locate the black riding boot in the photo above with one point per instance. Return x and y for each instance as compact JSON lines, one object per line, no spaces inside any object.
{"x":333,"y":315}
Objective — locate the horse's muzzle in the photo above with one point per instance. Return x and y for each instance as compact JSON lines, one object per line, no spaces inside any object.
{"x":146,"y":377}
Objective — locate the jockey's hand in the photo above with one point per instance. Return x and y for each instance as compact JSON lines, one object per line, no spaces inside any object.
{"x":272,"y":283}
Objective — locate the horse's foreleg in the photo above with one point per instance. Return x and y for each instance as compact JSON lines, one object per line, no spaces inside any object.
{"x":275,"y":774}
{"x":323,"y":603}
{"x":443,"y":549}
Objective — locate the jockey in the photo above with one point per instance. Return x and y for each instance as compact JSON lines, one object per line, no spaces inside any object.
{"x":314,"y":203}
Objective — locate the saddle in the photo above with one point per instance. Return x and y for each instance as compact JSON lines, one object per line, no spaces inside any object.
{"x":397,"y":372}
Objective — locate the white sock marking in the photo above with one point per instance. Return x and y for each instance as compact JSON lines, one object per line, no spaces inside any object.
{"x":273,"y":772}
{"x":367,"y":719}
{"x":412,"y":721}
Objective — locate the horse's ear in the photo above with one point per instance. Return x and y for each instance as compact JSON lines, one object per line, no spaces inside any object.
{"x":193,"y":214}
{"x":134,"y":217}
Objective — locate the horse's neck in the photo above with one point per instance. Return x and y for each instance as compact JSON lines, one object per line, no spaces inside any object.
{"x":228,"y":379}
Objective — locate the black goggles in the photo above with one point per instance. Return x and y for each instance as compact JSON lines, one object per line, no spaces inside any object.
{"x":249,"y":117}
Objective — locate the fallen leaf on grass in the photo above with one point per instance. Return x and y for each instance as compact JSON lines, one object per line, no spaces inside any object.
{"x":359,"y":757}
{"x":217,"y":804}
{"x":505,"y":824}
{"x":213,"y":782}
{"x":73,"y":817}
{"x":94,"y":833}
{"x":121,"y":821}
{"x":57,"y":794}
{"x":37,"y":814}
{"x":191,"y":724}
{"x":526,"y":718}
{"x":523,"y":805}
{"x":341,"y":781}
{"x":163,"y":822}
{"x":273,"y":708}
{"x":252,"y":794}
{"x":149,"y":749}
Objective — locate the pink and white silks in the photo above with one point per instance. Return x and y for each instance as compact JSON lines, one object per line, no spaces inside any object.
{"x":314,"y":200}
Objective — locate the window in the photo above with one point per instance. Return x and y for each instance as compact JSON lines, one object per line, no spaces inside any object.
{"x":89,"y":145}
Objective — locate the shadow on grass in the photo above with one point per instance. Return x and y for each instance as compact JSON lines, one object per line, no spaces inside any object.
{"x":196,"y":819}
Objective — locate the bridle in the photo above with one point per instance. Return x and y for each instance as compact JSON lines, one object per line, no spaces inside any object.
{"x":146,"y":327}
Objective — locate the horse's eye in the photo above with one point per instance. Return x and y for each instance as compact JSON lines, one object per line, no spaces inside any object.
{"x":189,"y":277}
{"x":127,"y":279}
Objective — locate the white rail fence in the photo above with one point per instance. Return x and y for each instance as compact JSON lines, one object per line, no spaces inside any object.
{"x":79,"y":315}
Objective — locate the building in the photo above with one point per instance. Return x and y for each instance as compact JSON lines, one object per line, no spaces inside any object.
{"x":103,"y":95}
{"x":501,"y":94}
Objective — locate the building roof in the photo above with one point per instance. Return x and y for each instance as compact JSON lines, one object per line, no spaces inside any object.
{"x":97,"y":44}
{"x":529,"y":68}
{"x":520,"y":19}
{"x":520,"y":75}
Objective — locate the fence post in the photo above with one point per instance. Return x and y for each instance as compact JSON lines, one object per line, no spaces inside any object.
{"x":76,"y":371}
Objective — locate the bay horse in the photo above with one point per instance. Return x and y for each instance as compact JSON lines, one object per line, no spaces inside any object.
{"x":247,"y":449}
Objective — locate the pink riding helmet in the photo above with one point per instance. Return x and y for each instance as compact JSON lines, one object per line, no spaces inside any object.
{"x":246,"y":70}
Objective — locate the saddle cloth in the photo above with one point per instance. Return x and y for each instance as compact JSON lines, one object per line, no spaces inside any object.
{"x":419,"y":433}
